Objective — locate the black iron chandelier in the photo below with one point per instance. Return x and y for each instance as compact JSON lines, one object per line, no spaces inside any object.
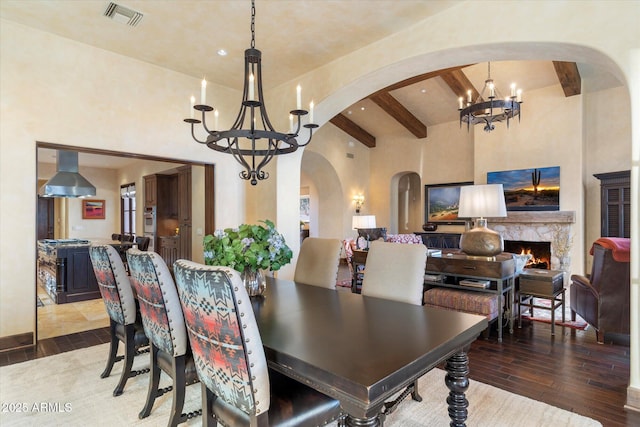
{"x":252,"y":140}
{"x":496,"y":109}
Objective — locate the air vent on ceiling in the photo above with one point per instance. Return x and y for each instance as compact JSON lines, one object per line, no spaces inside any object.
{"x":123,"y":14}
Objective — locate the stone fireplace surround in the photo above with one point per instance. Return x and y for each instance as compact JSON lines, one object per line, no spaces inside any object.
{"x":540,"y":226}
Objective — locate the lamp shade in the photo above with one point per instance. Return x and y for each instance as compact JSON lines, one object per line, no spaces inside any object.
{"x":486,"y":200}
{"x":363,"y":221}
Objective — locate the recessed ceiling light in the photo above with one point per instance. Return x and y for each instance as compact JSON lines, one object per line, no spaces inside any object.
{"x":362,"y":108}
{"x":222,"y":52}
{"x":423,"y":90}
{"x":349,"y":112}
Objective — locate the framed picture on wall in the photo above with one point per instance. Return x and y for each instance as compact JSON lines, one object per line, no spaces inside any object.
{"x":93,"y":209}
{"x":305,"y":211}
{"x":536,"y":189}
{"x":441,"y":202}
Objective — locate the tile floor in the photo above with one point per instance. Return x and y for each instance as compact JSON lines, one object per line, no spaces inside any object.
{"x":63,"y":319}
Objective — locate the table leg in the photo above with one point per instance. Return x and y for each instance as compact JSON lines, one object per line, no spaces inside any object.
{"x":511,"y":302}
{"x":553,"y":316}
{"x":457,"y":380}
{"x":563,"y":302}
{"x":362,"y":422}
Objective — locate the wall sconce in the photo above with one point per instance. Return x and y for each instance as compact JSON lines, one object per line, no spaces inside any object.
{"x":359,"y":201}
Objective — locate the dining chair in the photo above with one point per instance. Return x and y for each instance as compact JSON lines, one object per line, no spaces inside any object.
{"x":237,"y":386}
{"x":124,"y":320}
{"x":143,"y":242}
{"x":318,"y":262}
{"x":395,"y":271}
{"x":163,"y":323}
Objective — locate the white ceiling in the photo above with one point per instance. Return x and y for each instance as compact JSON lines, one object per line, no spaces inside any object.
{"x":295,"y":36}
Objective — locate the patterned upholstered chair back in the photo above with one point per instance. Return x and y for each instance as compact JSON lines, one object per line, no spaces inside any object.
{"x":114,"y":284}
{"x":159,"y":303}
{"x":224,"y":335}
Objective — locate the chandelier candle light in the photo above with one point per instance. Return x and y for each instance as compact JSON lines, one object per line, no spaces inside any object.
{"x":252,"y":140}
{"x":496,"y":109}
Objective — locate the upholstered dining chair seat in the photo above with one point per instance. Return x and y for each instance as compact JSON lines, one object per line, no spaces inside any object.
{"x":294,"y":400}
{"x":165,"y":362}
{"x":139,"y":337}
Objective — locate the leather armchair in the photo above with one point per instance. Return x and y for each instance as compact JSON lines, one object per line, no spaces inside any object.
{"x":603,"y":298}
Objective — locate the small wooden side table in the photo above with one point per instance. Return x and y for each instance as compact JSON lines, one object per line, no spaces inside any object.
{"x":543,"y":284}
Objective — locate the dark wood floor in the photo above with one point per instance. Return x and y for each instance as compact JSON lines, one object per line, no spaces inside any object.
{"x":570,"y":371}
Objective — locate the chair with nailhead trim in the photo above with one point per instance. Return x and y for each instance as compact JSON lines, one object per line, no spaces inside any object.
{"x":238,"y":389}
{"x":163,"y":323}
{"x":125,"y":324}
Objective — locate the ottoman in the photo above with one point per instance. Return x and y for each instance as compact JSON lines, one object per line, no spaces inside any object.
{"x":469,"y":302}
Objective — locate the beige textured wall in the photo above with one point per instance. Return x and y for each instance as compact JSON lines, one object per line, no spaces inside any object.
{"x":58,"y":91}
{"x":549,"y":134}
{"x":607,"y":148}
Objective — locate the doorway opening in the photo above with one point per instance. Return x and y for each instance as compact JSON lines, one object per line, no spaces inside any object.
{"x":53,"y":319}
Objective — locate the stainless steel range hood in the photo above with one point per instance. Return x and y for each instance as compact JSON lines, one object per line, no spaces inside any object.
{"x":67,"y":182}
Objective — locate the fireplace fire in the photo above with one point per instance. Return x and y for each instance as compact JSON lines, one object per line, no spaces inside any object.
{"x":540,"y":251}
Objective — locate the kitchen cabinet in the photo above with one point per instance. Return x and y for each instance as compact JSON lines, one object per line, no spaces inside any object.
{"x":168,"y":250}
{"x":150,"y":190}
{"x":65,"y":271}
{"x":161,"y":192}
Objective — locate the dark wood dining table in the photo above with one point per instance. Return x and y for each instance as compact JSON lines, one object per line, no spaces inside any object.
{"x":363,"y":350}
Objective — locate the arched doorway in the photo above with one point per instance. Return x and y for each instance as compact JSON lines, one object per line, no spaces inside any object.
{"x":406,"y":203}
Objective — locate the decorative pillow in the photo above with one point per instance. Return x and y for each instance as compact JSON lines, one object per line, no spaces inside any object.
{"x":404,"y":238}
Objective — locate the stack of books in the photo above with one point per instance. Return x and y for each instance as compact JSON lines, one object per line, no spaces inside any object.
{"x":475,"y":283}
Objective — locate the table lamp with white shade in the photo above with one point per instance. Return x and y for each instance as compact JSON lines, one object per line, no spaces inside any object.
{"x":363,"y":222}
{"x":482,"y":202}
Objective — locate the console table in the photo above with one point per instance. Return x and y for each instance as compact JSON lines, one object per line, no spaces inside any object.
{"x":451,"y":268}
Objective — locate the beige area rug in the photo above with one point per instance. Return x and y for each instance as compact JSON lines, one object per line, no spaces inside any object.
{"x":66,"y":390}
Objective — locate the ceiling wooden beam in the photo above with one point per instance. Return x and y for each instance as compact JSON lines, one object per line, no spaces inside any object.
{"x":417,"y":79}
{"x":460,"y":84}
{"x":396,"y":110}
{"x":569,"y":77}
{"x":346,"y":125}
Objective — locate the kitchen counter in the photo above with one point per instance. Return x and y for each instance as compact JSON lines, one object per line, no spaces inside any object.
{"x":64,"y":270}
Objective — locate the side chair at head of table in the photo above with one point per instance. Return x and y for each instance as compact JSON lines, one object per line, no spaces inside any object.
{"x":125,"y":324}
{"x":143,"y":242}
{"x":164,"y":324}
{"x":318,"y":262}
{"x":237,"y":386}
{"x":395,"y":271}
